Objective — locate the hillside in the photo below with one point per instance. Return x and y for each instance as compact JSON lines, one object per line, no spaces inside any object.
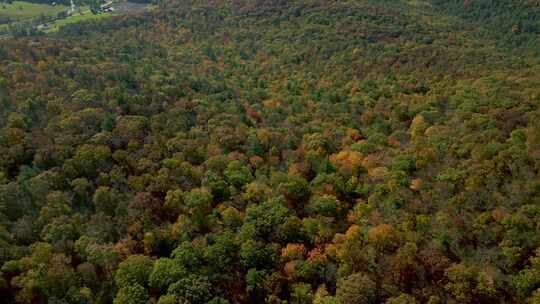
{"x":251,"y":151}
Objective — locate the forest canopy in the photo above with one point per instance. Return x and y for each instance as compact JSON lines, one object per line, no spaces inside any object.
{"x":250,"y":151}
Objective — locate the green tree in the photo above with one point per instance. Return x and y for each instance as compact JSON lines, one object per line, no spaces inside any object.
{"x":106,"y":200}
{"x":165,"y":272}
{"x":188,"y":256}
{"x":255,"y":254}
{"x":357,"y":288}
{"x":402,"y":299}
{"x":326,"y":205}
{"x":294,"y":188}
{"x":237,"y":174}
{"x":302,"y":294}
{"x":135,"y":269}
{"x":131,"y":294}
{"x":265,"y":219}
{"x":193,"y":289}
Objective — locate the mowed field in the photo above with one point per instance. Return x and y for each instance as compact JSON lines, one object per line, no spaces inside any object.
{"x":20,"y":10}
{"x":86,"y":16}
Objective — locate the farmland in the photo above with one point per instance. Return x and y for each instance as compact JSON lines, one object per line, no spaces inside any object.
{"x":75,"y":18}
{"x":21,"y":18}
{"x":23,"y":10}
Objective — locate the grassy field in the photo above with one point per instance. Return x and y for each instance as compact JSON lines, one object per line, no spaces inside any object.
{"x":21,"y":10}
{"x":53,"y":27}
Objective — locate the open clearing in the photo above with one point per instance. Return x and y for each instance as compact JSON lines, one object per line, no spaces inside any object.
{"x":21,"y":10}
{"x":55,"y":26}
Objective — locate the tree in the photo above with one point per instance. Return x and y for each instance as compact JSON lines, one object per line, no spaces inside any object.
{"x":323,"y":297}
{"x":199,"y":204}
{"x":254,"y":280}
{"x":165,"y":272}
{"x":174,"y":201}
{"x":106,"y":200}
{"x":525,"y":281}
{"x":264,"y":220}
{"x":88,"y":274}
{"x":193,"y":289}
{"x":535,"y":297}
{"x":131,"y":294}
{"x":326,"y":205}
{"x":129,"y":127}
{"x":255,"y":254}
{"x":294,"y":188}
{"x":302,"y":294}
{"x":14,"y":147}
{"x":218,"y":300}
{"x":57,"y":204}
{"x":237,"y":174}
{"x":89,"y":160}
{"x":216,"y":184}
{"x":188,"y":256}
{"x":348,"y":162}
{"x":221,"y":255}
{"x":168,"y":299}
{"x":357,"y":288}
{"x":135,"y":269}
{"x":461,"y":282}
{"x":402,"y":299}
{"x":383,"y":236}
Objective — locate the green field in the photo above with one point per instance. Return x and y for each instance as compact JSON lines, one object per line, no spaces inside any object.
{"x":53,"y":27}
{"x":21,"y":10}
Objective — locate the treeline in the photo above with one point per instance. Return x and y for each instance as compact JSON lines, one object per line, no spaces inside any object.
{"x":270,"y":152}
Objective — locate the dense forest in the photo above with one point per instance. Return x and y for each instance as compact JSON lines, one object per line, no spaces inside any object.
{"x":250,"y":151}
